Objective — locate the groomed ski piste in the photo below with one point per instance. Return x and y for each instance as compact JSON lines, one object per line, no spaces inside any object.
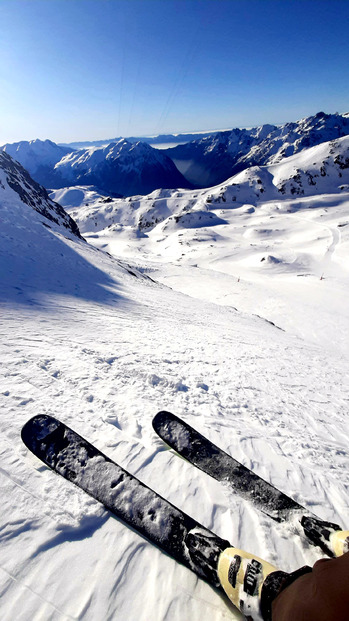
{"x":233,"y":314}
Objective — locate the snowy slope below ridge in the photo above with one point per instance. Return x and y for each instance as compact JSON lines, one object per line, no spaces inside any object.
{"x":251,"y":245}
{"x":133,"y":214}
{"x":85,"y":340}
{"x":42,"y":258}
{"x":18,"y":189}
{"x":317,"y":170}
{"x":211,"y":160}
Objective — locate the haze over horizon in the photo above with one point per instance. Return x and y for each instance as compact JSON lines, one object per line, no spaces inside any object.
{"x":73,"y":71}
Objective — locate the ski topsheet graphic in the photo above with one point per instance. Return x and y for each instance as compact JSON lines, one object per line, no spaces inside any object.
{"x":201,"y":452}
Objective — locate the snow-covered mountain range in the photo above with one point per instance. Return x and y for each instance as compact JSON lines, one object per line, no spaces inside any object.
{"x":125,"y":168}
{"x":121,"y":168}
{"x":213,"y":159}
{"x":317,"y":170}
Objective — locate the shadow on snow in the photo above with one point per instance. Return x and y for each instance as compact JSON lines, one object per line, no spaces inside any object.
{"x":35,"y":266}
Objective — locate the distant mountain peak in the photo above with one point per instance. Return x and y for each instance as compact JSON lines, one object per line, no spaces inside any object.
{"x":120,"y":167}
{"x":36,"y":154}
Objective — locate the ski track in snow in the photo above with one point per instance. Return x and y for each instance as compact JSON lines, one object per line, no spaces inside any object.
{"x":106,"y":359}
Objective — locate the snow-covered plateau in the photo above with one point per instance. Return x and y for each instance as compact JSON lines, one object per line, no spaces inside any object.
{"x":228,"y":306}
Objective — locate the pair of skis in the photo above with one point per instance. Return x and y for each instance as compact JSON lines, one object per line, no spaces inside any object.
{"x":249,"y":582}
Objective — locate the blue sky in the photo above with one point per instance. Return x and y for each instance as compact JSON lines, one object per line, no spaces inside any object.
{"x":90,"y":69}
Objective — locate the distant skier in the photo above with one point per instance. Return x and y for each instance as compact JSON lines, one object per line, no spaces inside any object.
{"x":321,"y":594}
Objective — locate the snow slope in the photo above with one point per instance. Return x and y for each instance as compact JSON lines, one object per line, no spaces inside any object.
{"x":18,"y":190}
{"x":87,"y":338}
{"x":270,"y":240}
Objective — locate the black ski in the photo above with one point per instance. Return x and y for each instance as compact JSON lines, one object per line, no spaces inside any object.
{"x":166,"y":526}
{"x":201,"y":452}
{"x":163,"y":524}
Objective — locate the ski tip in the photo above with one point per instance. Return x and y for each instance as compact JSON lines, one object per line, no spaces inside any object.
{"x":37,"y":428}
{"x":160,"y":419}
